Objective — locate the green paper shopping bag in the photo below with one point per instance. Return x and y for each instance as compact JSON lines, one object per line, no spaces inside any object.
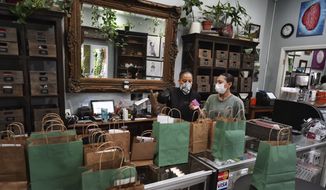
{"x":104,"y":176}
{"x":229,"y":136}
{"x":51,"y":132}
{"x":172,"y":137}
{"x":54,"y":157}
{"x":275,"y":166}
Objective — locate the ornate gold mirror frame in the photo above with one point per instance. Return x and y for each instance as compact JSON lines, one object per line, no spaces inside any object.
{"x":75,"y":83}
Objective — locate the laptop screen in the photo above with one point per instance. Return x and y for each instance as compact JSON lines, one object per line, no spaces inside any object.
{"x":97,"y":105}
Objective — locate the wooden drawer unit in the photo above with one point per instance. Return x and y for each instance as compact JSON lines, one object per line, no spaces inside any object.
{"x":245,"y":84}
{"x":203,"y":88}
{"x":38,"y":89}
{"x":39,"y":113}
{"x":8,"y":34}
{"x":205,"y":62}
{"x":40,"y":37}
{"x":235,"y":84}
{"x":43,"y":77}
{"x":11,"y":115}
{"x":8,"y":48}
{"x":234,"y":56}
{"x":221,"y":54}
{"x":202,"y":79}
{"x":11,"y":77}
{"x":205,"y":53}
{"x":233,"y":64}
{"x":223,"y":63}
{"x":11,"y":90}
{"x":248,"y":61}
{"x":43,"y":50}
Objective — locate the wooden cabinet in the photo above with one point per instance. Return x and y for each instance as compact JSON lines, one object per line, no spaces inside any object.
{"x":207,"y":56}
{"x":31,"y":66}
{"x":131,"y":55}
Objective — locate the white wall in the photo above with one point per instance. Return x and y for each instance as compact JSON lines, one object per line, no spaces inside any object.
{"x":287,"y":11}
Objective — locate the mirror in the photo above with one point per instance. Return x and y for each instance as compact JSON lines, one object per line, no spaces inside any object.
{"x":133,"y":57}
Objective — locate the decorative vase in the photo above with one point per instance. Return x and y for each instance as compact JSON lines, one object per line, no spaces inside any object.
{"x":195,"y":28}
{"x":207,"y":25}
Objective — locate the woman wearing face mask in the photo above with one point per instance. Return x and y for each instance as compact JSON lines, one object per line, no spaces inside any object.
{"x":181,"y":97}
{"x":224,"y":99}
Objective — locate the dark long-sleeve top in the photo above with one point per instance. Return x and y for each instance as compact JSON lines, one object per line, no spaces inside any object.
{"x":174,"y":98}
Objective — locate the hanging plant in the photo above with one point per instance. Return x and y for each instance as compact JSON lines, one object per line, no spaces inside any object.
{"x":99,"y":59}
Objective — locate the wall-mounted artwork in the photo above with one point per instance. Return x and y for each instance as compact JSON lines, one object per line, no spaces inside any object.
{"x":154,"y":68}
{"x":254,"y":32}
{"x":94,"y":61}
{"x":311,"y":18}
{"x":162,"y":46}
{"x":153,"y":46}
{"x":318,"y":59}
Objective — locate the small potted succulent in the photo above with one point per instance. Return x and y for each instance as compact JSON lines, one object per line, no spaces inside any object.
{"x":217,"y":12}
{"x":207,"y":23}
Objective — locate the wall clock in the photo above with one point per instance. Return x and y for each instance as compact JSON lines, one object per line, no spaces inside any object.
{"x":287,"y":30}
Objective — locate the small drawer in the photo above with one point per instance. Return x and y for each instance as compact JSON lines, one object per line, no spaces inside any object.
{"x":248,"y":57}
{"x":203,"y":88}
{"x":205,"y":62}
{"x":43,"y":50}
{"x":8,"y":48}
{"x":11,"y":77}
{"x":221,"y":63}
{"x":8,"y":34}
{"x":11,"y":90}
{"x":43,"y":77}
{"x":202,"y":79}
{"x":234,"y":56}
{"x":205,"y":53}
{"x":248,"y":64}
{"x":40,"y":37}
{"x":245,"y":84}
{"x":43,"y":89}
{"x":234,"y":64}
{"x":235,"y":84}
{"x":222,"y":54}
{"x":11,"y":115}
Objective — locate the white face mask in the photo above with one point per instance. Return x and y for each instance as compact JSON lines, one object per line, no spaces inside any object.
{"x":185,"y":88}
{"x":219,"y":88}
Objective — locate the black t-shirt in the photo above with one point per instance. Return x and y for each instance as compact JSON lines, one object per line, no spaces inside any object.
{"x":174,"y":98}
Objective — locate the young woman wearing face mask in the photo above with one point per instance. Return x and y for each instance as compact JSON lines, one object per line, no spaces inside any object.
{"x":218,"y":103}
{"x":181,"y":97}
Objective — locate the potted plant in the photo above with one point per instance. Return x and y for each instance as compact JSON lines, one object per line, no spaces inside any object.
{"x":188,"y":8}
{"x":208,"y":20}
{"x":217,"y":12}
{"x":233,"y":15}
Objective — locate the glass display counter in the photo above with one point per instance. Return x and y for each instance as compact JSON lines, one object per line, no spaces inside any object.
{"x":194,"y":175}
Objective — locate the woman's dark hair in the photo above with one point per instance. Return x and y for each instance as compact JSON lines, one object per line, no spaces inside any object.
{"x":323,"y":79}
{"x":184,"y":72}
{"x":228,"y":77}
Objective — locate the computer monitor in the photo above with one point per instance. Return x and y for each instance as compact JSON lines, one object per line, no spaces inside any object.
{"x":97,"y":105}
{"x":301,"y":80}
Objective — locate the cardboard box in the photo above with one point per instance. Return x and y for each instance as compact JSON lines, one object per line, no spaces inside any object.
{"x":221,"y":55}
{"x":205,"y":62}
{"x":205,"y":53}
{"x":8,"y":48}
{"x":223,"y":63}
{"x":8,"y":34}
{"x":203,"y":79}
{"x":203,"y":88}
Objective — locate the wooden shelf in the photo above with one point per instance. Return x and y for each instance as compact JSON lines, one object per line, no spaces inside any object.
{"x":133,"y":56}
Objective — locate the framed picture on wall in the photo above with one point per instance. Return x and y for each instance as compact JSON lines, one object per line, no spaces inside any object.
{"x":302,"y":66}
{"x":154,"y":68}
{"x":311,"y":18}
{"x":162,"y":47}
{"x":318,"y":59}
{"x":153,"y":46}
{"x":254,"y":32}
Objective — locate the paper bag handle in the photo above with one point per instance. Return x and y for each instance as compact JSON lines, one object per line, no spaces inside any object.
{"x":279,"y":133}
{"x":165,"y":108}
{"x":8,"y":132}
{"x":50,"y":116}
{"x":110,"y":143}
{"x":237,"y":116}
{"x":52,"y":121}
{"x":61,"y":127}
{"x":146,"y":132}
{"x":88,"y":126}
{"x":104,"y":135}
{"x":91,"y":137}
{"x":18,"y":125}
{"x":111,"y":148}
{"x":175,"y":110}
